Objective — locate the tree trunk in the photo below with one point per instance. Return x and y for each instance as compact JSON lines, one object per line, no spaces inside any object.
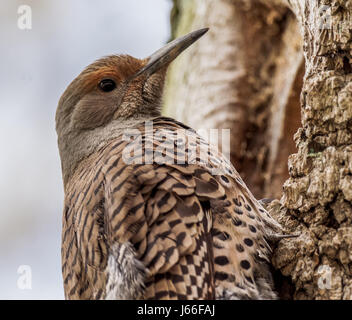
{"x":316,"y":202}
{"x":247,"y":75}
{"x":244,"y":75}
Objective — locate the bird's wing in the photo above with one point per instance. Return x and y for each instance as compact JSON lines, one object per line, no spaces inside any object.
{"x":159,"y":210}
{"x":177,"y":230}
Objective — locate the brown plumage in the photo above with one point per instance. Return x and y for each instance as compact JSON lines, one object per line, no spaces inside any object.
{"x":151,"y":210}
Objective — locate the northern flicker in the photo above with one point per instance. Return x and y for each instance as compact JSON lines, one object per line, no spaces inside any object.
{"x":146,"y":217}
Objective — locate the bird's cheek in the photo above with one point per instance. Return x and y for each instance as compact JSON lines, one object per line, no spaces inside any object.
{"x":93,"y":113}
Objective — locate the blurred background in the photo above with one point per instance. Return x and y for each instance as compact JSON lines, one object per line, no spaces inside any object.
{"x":36,"y":66}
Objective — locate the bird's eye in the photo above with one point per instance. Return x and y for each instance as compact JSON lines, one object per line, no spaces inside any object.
{"x":107,"y":85}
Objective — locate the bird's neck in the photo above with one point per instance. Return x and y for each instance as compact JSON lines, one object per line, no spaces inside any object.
{"x":86,"y":143}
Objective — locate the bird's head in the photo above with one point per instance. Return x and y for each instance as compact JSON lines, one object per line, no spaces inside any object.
{"x":108,"y":93}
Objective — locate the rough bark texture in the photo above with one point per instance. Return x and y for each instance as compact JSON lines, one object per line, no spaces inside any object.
{"x":245,"y":75}
{"x":317,"y":197}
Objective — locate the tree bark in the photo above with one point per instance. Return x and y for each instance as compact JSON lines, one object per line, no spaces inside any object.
{"x":317,"y":197}
{"x":247,"y":75}
{"x":244,"y":75}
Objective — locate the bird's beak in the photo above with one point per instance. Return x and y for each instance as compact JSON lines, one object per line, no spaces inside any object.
{"x":167,"y":54}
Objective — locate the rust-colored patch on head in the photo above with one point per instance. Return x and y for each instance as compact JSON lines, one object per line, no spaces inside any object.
{"x":117,"y":68}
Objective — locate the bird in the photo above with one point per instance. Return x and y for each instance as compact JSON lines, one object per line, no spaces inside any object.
{"x":151,"y":209}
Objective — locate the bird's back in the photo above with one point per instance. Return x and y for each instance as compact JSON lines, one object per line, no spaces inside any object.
{"x":161,"y":215}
